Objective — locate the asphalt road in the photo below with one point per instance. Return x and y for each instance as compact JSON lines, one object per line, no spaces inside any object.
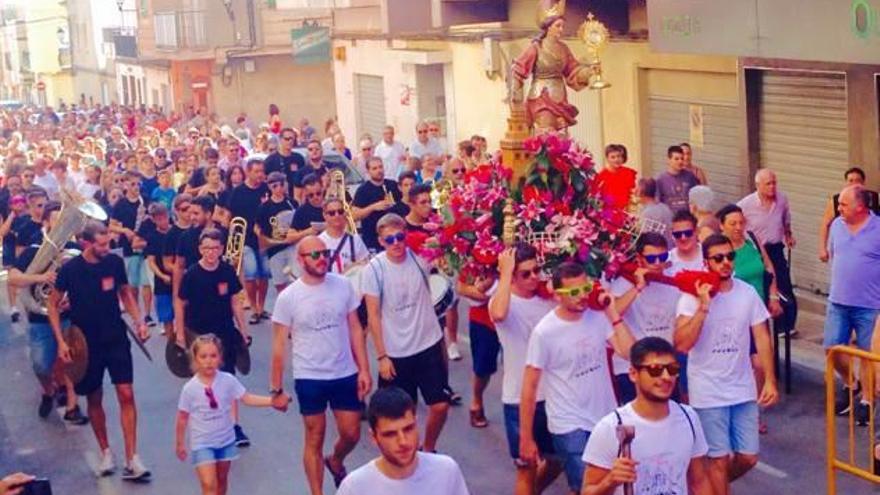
{"x":793,"y":453}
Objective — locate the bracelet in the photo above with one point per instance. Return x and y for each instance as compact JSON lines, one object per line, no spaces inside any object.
{"x":275,"y":392}
{"x":617,"y":322}
{"x":383,"y":356}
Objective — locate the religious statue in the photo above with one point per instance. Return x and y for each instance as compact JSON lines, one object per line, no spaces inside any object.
{"x":552,"y":66}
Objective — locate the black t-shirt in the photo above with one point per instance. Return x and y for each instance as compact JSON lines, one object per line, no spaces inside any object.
{"x":171,"y":239}
{"x":307,"y":169}
{"x":245,"y":202}
{"x":126,"y":213}
{"x":288,"y":165}
{"x":148,"y":184}
{"x":28,"y":232}
{"x":305,"y":215}
{"x":188,"y":246}
{"x":197,"y":179}
{"x":21,"y":264}
{"x":209,"y":298}
{"x":367,"y":194}
{"x":269,"y":211}
{"x":93,"y":290}
{"x":156,"y":248}
{"x":9,"y":240}
{"x":411,"y":227}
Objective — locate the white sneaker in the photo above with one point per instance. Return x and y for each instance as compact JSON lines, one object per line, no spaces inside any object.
{"x":135,"y":470}
{"x":106,"y":466}
{"x":452,"y":350}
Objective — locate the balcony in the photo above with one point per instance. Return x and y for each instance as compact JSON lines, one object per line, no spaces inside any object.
{"x":125,"y":45}
{"x":180,"y":29}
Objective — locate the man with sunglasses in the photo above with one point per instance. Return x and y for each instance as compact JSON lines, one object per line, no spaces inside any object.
{"x":347,"y":248}
{"x":273,"y":222}
{"x":314,"y":165}
{"x":567,"y":356}
{"x":309,"y":214}
{"x":404,"y":327}
{"x":285,"y":160}
{"x":207,"y":300}
{"x":374,"y":198}
{"x":516,"y":307}
{"x":329,"y":358}
{"x":648,"y":309}
{"x":715,"y":332}
{"x":656,"y":464}
{"x":686,"y":254}
{"x":425,"y":144}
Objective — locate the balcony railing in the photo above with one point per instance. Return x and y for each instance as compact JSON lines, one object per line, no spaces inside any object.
{"x":125,"y":45}
{"x":180,"y":29}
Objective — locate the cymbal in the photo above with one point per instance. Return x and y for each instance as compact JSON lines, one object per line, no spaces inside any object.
{"x":243,"y":357}
{"x":79,"y":353}
{"x":177,"y":360}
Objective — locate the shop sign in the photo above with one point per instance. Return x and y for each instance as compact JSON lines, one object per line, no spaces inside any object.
{"x":311,"y":44}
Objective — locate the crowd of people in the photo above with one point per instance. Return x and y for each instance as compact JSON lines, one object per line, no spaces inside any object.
{"x":694,"y":365}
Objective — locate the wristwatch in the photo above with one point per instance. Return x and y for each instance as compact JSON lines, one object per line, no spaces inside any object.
{"x":275,"y":392}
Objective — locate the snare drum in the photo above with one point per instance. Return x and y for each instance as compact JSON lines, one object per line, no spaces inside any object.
{"x":442,"y":293}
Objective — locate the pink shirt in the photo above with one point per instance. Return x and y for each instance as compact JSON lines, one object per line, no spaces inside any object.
{"x":768,"y":222}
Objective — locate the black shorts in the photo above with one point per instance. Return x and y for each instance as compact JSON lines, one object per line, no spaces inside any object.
{"x":115,"y":358}
{"x":424,"y":371}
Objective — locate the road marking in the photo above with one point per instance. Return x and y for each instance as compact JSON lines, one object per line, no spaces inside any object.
{"x":770,"y":470}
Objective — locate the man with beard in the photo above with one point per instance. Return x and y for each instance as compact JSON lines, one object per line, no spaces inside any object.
{"x":400,"y":468}
{"x":373,"y":199}
{"x":715,"y":332}
{"x":329,"y":358}
{"x":95,"y":283}
{"x":656,"y":465}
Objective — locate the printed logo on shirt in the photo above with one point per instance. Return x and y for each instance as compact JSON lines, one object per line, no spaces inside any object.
{"x":658,"y":475}
{"x":724,"y":341}
{"x":222,"y":288}
{"x":108,"y":284}
{"x":588,"y":358}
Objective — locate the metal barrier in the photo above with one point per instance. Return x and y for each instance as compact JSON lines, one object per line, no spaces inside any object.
{"x":867,"y":361}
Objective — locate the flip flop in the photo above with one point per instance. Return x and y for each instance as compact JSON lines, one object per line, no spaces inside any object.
{"x":337,"y":476}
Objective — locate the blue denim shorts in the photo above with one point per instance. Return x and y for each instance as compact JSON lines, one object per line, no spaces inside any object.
{"x":314,"y":395}
{"x":730,"y":429}
{"x":211,"y":456}
{"x":539,"y":430}
{"x":255,"y":265}
{"x":485,"y":347}
{"x":841,"y":320}
{"x":138,"y":271}
{"x":43,"y":347}
{"x":164,"y":308}
{"x":570,"y":449}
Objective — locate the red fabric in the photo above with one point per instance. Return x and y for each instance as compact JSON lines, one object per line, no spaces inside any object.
{"x":616,"y":187}
{"x":480,"y":314}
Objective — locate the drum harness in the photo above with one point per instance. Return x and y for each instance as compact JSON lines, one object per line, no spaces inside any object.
{"x":379,"y":279}
{"x":335,"y":259}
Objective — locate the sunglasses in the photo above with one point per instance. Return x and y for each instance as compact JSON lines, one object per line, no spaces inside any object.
{"x":312,"y":148}
{"x":457,"y":171}
{"x":314,"y":195}
{"x":656,"y":370}
{"x":332,"y":213}
{"x":718,"y":258}
{"x":683,"y":234}
{"x":318,"y":254}
{"x":422,"y":132}
{"x":273,"y":184}
{"x":656,"y":258}
{"x":287,"y":138}
{"x":212,"y":400}
{"x":394,"y":239}
{"x":534,"y":272}
{"x":581,"y":290}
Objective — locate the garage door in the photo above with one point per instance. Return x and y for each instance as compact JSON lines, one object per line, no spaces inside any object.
{"x":803,"y":138}
{"x":718,"y":156}
{"x":370,"y":105}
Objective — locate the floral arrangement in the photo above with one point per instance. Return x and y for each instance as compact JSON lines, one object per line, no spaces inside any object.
{"x":556,"y":207}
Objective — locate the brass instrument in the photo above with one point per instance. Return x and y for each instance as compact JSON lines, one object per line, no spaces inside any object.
{"x":337,"y":190}
{"x":235,"y":243}
{"x":388,"y":196}
{"x":75,"y":213}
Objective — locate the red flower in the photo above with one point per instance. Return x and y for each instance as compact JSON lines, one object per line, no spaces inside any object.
{"x":416,"y":239}
{"x":485,"y":256}
{"x":482,"y":173}
{"x":561,"y":208}
{"x":532,"y":144}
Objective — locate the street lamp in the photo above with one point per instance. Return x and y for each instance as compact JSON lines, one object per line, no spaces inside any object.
{"x":119,"y":4}
{"x":229,"y":11}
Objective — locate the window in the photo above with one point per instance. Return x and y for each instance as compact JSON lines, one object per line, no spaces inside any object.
{"x":166,"y":29}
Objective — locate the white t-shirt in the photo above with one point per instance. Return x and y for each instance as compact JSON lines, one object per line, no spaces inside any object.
{"x":392,"y":158}
{"x":210,"y":428}
{"x":332,"y":243}
{"x":651,"y":314}
{"x":433,"y":147}
{"x":318,"y":317}
{"x":435,"y":474}
{"x":574,"y":369}
{"x":663,"y":464}
{"x":679,"y":264}
{"x":719,"y":367}
{"x":49,"y":183}
{"x":409,"y":324}
{"x":513,"y":333}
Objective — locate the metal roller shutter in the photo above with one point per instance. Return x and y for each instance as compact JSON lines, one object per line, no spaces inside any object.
{"x":803,"y":138}
{"x":370,"y":106}
{"x":719,"y":155}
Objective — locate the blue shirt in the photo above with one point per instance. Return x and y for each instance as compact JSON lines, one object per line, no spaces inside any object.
{"x":855,"y":264}
{"x":164,"y":196}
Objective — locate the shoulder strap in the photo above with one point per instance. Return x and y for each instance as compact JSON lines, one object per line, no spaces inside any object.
{"x":424,"y":275}
{"x":690,"y":421}
{"x":754,"y":239}
{"x":338,"y":251}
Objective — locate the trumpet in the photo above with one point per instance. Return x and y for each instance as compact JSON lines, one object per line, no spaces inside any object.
{"x":235,"y":243}
{"x":337,"y":190}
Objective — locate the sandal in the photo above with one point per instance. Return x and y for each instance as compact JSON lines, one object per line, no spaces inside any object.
{"x":254,"y":319}
{"x":337,"y":476}
{"x":478,"y":418}
{"x":763,"y":429}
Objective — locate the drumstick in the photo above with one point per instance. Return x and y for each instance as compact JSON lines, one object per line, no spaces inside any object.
{"x":625,"y":435}
{"x":140,"y":344}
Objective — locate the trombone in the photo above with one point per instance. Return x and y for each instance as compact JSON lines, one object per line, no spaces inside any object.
{"x":337,"y":190}
{"x":235,"y":243}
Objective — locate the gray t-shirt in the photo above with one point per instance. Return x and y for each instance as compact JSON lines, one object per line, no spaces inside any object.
{"x":655,"y":215}
{"x":672,"y":190}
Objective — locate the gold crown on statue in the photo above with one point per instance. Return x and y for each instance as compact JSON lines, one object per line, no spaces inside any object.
{"x":550,"y":8}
